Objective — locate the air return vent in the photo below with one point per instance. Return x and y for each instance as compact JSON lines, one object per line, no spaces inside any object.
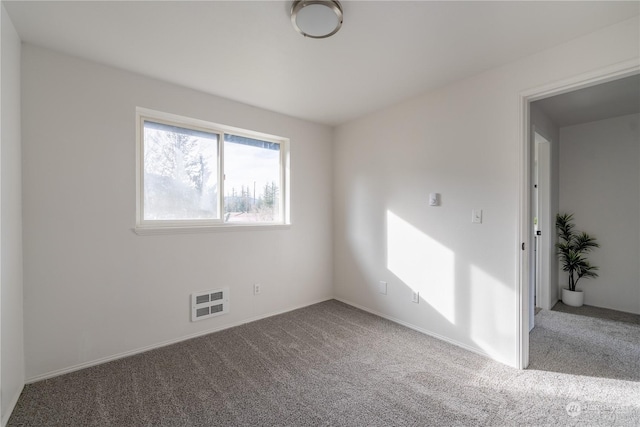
{"x":209,"y":303}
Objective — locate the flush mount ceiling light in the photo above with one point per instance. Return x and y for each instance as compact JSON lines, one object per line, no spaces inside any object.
{"x":317,"y":19}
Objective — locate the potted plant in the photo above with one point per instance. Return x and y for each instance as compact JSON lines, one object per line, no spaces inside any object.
{"x":573,"y":247}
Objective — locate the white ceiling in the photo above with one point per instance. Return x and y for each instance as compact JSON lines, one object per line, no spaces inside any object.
{"x":386,"y":51}
{"x":604,"y":101}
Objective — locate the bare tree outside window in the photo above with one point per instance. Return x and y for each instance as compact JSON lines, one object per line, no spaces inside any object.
{"x":180,"y":173}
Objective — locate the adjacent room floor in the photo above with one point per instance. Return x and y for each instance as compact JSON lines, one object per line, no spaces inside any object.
{"x":332,"y":364}
{"x":600,"y":313}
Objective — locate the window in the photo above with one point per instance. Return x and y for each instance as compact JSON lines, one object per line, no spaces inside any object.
{"x":193,"y":174}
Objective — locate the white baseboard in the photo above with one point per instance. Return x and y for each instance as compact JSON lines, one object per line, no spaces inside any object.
{"x":419,"y":329}
{"x":139,"y":350}
{"x":12,"y":405}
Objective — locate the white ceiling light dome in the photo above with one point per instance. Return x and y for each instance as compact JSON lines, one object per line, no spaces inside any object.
{"x":316,"y":19}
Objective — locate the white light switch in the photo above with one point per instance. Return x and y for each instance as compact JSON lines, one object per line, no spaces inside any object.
{"x":415,"y":297}
{"x":382,"y":287}
{"x":434,"y":199}
{"x":476,"y":216}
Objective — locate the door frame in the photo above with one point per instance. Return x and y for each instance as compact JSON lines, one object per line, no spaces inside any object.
{"x":524,"y":242}
{"x":539,"y":256}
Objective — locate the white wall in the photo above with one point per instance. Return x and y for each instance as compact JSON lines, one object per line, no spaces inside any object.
{"x":93,"y":288}
{"x":600,"y":184}
{"x":12,"y":373}
{"x":461,"y":141}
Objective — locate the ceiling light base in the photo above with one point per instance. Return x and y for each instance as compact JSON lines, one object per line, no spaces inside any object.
{"x":316,"y":19}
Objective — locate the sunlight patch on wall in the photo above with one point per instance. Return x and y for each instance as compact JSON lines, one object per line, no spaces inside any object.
{"x":488,"y":326}
{"x":422,"y":263}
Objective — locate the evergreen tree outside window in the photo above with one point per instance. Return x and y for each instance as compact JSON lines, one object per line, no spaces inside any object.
{"x":252,"y":174}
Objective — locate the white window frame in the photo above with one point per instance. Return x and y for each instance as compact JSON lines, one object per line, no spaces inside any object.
{"x":190,"y":226}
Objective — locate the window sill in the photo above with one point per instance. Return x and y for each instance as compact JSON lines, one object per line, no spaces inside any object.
{"x":155,"y":230}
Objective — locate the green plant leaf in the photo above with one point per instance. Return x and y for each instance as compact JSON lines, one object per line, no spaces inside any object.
{"x":572,"y":248}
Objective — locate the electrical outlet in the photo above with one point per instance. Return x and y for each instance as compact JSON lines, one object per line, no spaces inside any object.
{"x":415,"y":297}
{"x":382,"y":287}
{"x":257,"y":288}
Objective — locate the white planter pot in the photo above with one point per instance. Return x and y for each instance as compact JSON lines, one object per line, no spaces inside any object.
{"x":572,"y":298}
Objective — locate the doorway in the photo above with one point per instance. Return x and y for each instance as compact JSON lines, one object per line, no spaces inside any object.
{"x":535,"y":266}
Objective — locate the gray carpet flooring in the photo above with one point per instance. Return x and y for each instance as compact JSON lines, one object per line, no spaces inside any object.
{"x":600,"y":313}
{"x":334,"y":365}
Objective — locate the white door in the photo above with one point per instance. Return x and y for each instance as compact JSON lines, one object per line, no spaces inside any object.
{"x":544,"y":224}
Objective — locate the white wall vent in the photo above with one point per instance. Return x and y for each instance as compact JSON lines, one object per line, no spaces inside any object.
{"x":209,"y":303}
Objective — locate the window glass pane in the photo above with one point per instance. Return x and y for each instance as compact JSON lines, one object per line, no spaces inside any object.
{"x":180,"y":173}
{"x":252,"y":180}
